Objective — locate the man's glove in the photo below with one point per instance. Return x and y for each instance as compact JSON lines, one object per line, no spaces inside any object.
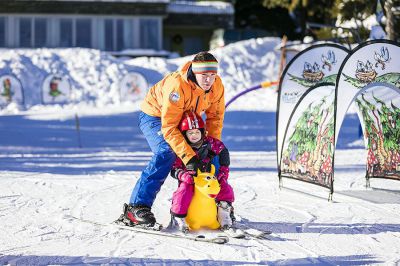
{"x":186,"y":177}
{"x":193,"y":164}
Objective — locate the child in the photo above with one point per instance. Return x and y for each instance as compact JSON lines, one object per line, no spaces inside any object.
{"x":208,"y":150}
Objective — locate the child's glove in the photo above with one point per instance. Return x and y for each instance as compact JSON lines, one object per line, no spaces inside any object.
{"x":186,"y":177}
{"x":223,"y":173}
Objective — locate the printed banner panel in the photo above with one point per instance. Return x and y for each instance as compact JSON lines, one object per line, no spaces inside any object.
{"x":316,"y":65}
{"x":308,"y":142}
{"x":379,"y":108}
{"x":133,"y":87}
{"x":370,"y":76}
{"x":376,"y":61}
{"x":56,"y":89}
{"x":10,"y":90}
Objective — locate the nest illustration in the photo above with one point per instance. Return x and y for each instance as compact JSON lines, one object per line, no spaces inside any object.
{"x":313,"y":76}
{"x":367,"y":76}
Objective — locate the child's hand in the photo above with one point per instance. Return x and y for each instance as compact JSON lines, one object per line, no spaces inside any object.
{"x":186,"y":177}
{"x":223,"y":173}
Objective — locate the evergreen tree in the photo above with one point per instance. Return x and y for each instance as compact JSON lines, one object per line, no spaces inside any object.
{"x":275,"y":20}
{"x":328,"y":11}
{"x":317,"y":11}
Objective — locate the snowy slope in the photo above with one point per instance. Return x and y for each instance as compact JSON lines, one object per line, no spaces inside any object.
{"x":46,"y":178}
{"x":95,"y":76}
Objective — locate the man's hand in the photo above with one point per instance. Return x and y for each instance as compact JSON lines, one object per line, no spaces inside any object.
{"x":193,"y":164}
{"x":186,"y":177}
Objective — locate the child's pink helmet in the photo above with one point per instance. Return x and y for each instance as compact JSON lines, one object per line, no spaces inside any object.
{"x":191,"y":120}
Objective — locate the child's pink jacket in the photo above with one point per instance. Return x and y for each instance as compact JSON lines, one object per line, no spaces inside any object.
{"x":210,"y":148}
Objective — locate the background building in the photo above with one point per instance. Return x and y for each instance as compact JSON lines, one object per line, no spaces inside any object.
{"x":113,"y":25}
{"x":189,"y":26}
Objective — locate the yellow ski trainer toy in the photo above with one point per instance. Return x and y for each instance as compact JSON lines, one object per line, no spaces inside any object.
{"x":202,"y":212}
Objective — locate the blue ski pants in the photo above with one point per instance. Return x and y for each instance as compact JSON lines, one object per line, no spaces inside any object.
{"x":157,"y":170}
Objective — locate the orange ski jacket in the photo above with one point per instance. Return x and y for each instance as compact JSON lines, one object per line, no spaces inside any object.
{"x":175,"y":94}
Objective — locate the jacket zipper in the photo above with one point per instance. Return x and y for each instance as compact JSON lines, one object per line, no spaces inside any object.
{"x":197,"y":102}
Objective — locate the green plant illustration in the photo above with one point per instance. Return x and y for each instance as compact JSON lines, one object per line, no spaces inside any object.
{"x":309,"y":152}
{"x":382,"y":130}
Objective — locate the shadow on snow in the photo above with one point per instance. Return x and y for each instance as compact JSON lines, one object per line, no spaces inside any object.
{"x":323,"y":228}
{"x":86,"y":260}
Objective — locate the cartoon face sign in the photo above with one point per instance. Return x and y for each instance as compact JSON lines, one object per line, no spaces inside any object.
{"x":133,"y":87}
{"x":54,"y":83}
{"x":10,"y":90}
{"x":55,"y":89}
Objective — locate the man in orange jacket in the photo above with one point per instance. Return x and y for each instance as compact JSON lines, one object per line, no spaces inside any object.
{"x":196,"y":87}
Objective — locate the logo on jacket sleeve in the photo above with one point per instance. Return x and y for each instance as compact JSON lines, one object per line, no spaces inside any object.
{"x":174,"y":97}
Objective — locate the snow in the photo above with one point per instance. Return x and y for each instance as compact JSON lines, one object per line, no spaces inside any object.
{"x":203,"y":7}
{"x":94,"y":76}
{"x":46,"y":177}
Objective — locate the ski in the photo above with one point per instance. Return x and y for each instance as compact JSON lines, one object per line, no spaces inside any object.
{"x":252,"y":232}
{"x":159,"y":231}
{"x":257,"y":233}
{"x":241,"y":231}
{"x":234,"y":233}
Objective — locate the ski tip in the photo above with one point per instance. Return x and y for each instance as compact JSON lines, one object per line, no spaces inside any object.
{"x":157,"y":227}
{"x":220,"y":240}
{"x":216,"y":240}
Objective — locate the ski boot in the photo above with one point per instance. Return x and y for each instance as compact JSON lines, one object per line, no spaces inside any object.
{"x":178,"y":223}
{"x":138,"y":215}
{"x":226,"y":218}
{"x":225,"y":215}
